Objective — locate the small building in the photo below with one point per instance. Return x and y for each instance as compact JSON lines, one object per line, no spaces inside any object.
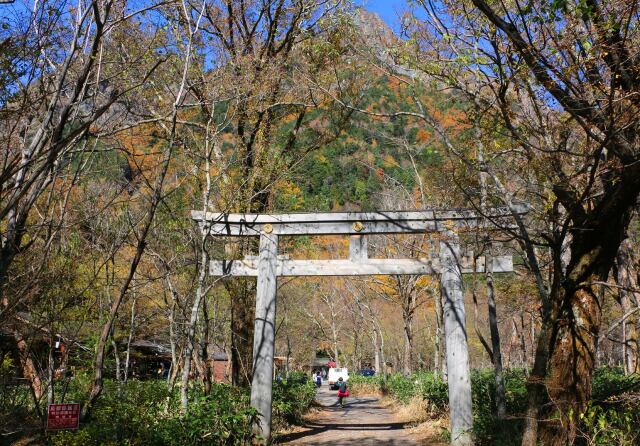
{"x":149,"y":359}
{"x":219,"y":363}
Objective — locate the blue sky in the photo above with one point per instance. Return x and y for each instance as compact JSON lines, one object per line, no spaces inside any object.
{"x":389,"y":10}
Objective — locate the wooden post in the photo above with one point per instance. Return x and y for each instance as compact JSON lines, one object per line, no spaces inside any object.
{"x":455,"y":332}
{"x":264,"y":334}
{"x":358,"y":248}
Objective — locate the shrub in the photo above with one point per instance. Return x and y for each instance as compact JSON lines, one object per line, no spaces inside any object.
{"x":364,"y":385}
{"x":610,"y":425}
{"x":292,"y":397}
{"x":223,"y":417}
{"x":611,"y":418}
{"x":611,"y":381}
{"x":147,"y":413}
{"x":432,"y":388}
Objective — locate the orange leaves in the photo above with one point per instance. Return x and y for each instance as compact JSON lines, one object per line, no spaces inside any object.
{"x":142,"y":147}
{"x":454,"y":119}
{"x":423,"y":136}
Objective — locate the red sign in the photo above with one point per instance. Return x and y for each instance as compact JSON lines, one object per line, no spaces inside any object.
{"x":63,"y":416}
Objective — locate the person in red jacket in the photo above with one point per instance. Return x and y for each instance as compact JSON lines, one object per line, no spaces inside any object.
{"x":343,"y":392}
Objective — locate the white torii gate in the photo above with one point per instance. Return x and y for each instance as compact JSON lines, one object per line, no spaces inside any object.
{"x":268,"y":266}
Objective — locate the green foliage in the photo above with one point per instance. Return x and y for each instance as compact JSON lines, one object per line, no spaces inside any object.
{"x":611,"y":381}
{"x":16,"y":402}
{"x":489,"y":429}
{"x":148,"y":413}
{"x":6,"y":367}
{"x":292,"y":398}
{"x":611,"y":418}
{"x":222,"y":417}
{"x":369,"y":154}
{"x":602,"y":425}
{"x":425,"y":384}
{"x":365,"y":385}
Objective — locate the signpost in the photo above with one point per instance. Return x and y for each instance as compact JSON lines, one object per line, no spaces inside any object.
{"x":63,"y":416}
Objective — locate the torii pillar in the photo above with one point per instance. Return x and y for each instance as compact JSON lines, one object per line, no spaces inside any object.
{"x":455,"y":334}
{"x":264,"y":338}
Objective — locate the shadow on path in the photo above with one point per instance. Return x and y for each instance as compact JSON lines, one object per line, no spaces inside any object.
{"x":317,"y":428}
{"x":363,"y":421}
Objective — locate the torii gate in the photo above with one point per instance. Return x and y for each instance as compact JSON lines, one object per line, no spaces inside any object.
{"x":268,"y":266}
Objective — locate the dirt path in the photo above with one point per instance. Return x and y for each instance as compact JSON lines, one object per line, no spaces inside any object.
{"x":363,"y":421}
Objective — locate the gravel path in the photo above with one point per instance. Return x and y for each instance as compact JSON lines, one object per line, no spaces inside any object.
{"x":363,"y":421}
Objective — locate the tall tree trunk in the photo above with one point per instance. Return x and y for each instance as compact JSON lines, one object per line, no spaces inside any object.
{"x":439,"y":366}
{"x":173,"y":369}
{"x":383,"y":358}
{"x":626,"y":278}
{"x":288,"y":356}
{"x":116,"y":357}
{"x":523,"y":343}
{"x":132,"y":329}
{"x":50,"y":371}
{"x":409,"y":305}
{"x":376,"y":350}
{"x":408,"y":346}
{"x":501,"y":403}
{"x":176,"y":369}
{"x":191,"y":330}
{"x":496,"y":352}
{"x":536,"y":388}
{"x":242,"y":314}
{"x":571,"y":365}
{"x":206,"y":378}
{"x":29,"y":370}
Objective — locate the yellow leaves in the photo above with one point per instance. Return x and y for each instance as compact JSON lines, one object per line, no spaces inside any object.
{"x":289,"y":195}
{"x":550,"y":200}
{"x":390,"y":161}
{"x":427,"y":282}
{"x":142,"y":146}
{"x":371,"y":158}
{"x":291,"y":117}
{"x":385,"y":285}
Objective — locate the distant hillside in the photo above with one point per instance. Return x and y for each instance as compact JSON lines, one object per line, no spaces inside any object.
{"x":372,"y":153}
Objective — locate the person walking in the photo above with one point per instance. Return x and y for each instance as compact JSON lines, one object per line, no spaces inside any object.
{"x":318,"y":380}
{"x":343,"y":392}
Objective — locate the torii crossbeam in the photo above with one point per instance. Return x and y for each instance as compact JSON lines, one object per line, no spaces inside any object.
{"x":268,"y":266}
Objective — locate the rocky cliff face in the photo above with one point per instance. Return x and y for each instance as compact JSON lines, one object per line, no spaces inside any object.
{"x":373,"y":30}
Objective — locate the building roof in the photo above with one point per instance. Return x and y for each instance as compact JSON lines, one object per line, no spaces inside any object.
{"x":148,"y":344}
{"x":320,"y":362}
{"x":219,"y":356}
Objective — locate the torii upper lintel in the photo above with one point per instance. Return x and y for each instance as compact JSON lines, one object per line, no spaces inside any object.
{"x":350,"y":223}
